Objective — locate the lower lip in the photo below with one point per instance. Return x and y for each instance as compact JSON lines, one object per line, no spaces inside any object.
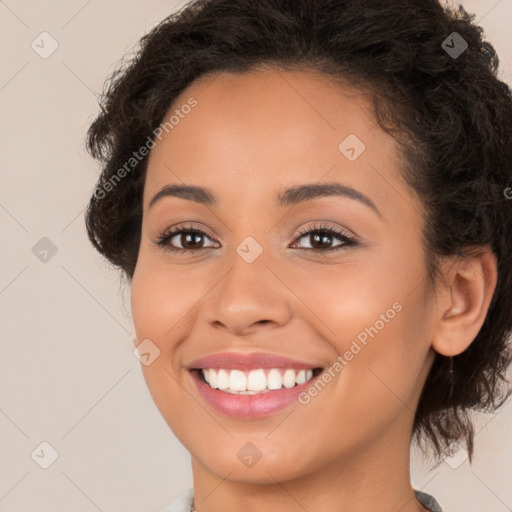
{"x":249,"y":406}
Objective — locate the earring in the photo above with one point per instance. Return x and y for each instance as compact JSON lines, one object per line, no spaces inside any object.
{"x":450,"y":374}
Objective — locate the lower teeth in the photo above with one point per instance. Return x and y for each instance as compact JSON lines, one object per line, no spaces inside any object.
{"x":245,"y":392}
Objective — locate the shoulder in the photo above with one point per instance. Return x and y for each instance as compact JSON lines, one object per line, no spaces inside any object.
{"x":185,"y":500}
{"x":182,"y":504}
{"x":428,"y":501}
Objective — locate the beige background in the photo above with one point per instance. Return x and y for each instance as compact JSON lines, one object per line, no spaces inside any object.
{"x":68,"y":375}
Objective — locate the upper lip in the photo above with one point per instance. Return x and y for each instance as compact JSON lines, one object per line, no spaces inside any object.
{"x":239,"y":361}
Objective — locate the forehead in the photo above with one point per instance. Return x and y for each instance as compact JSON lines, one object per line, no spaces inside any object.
{"x":255,"y":133}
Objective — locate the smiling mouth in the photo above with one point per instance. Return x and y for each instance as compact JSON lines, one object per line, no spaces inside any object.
{"x":256,"y":381}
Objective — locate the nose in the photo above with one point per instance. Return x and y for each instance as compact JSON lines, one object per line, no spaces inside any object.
{"x":250,"y":297}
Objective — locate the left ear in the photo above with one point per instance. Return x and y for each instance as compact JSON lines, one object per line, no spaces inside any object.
{"x":463,"y":300}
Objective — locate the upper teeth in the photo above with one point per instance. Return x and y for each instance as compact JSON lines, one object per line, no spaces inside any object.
{"x":255,"y":381}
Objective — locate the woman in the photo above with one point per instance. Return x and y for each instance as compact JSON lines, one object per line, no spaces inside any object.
{"x":310,"y":201}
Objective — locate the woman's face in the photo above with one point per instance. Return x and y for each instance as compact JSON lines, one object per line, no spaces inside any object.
{"x":252,"y":282}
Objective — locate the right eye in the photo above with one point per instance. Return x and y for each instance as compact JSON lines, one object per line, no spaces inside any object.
{"x":188,"y":237}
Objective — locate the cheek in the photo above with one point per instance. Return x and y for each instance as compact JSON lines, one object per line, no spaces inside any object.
{"x":160,"y":301}
{"x":156,"y":309}
{"x":375,"y":317}
{"x":157,"y":305}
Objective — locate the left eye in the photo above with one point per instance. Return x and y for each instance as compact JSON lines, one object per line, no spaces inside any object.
{"x":324,"y":235}
{"x":191,"y":238}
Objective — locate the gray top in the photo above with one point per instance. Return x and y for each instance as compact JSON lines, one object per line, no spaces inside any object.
{"x":184,"y":502}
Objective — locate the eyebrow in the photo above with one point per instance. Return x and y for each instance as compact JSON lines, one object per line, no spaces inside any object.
{"x":291,"y":196}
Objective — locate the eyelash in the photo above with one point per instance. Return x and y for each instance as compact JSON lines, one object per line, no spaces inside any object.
{"x":348,"y":241}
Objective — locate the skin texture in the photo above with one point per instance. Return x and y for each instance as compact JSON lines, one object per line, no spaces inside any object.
{"x":251,"y":136}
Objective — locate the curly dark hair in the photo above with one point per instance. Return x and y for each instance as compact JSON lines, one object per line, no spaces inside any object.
{"x":450,"y":114}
